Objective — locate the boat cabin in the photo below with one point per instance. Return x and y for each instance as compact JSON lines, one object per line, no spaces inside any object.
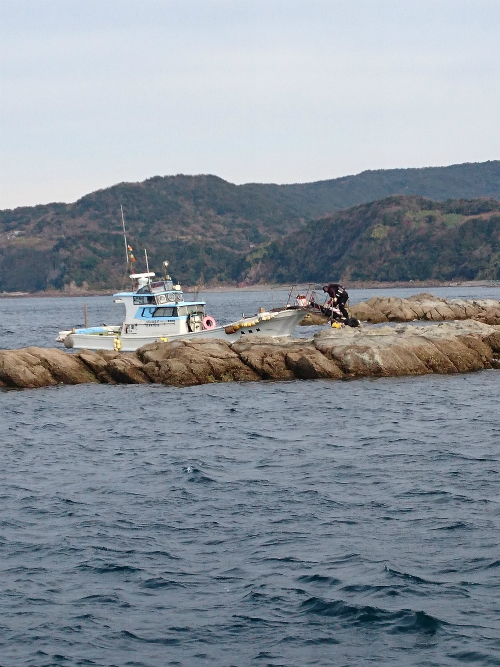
{"x":158,"y":308}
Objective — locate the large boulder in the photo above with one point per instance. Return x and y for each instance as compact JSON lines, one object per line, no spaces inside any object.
{"x":314,"y":318}
{"x":19,"y":368}
{"x":42,"y":367}
{"x":410,"y":350}
{"x":372,"y":355}
{"x":127,"y":369}
{"x":285,"y":359}
{"x":490,"y":316}
{"x":458,"y":310}
{"x":266,"y":359}
{"x":479,"y":346}
{"x":423,"y":296}
{"x":493,"y":340}
{"x":400,"y":313}
{"x":417,"y":309}
{"x":185,"y":363}
{"x":463,"y":357}
{"x":97,"y":362}
{"x":364,"y":312}
{"x":65,"y":368}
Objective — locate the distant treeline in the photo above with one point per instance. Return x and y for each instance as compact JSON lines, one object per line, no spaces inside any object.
{"x":214,"y":232}
{"x":393,"y":239}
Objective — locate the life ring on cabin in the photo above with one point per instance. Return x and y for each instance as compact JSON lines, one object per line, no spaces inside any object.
{"x":208,"y":322}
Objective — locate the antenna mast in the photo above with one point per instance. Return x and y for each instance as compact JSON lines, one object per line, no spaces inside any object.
{"x":124,"y":236}
{"x":147,"y":266}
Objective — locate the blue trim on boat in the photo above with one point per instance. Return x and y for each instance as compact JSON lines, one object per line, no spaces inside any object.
{"x":92,"y":330}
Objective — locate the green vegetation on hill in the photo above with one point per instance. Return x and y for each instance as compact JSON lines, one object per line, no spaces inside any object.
{"x":211,"y":230}
{"x":394,"y":239}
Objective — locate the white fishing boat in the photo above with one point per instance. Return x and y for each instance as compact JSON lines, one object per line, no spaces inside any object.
{"x":156,"y":310}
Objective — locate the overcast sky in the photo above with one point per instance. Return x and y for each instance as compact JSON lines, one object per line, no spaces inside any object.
{"x":94,"y":92}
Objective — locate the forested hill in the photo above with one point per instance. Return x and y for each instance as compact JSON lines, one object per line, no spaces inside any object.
{"x":399,"y":238}
{"x":459,"y":181}
{"x":204,"y":225}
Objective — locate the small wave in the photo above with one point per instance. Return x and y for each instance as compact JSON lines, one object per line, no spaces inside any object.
{"x":457,"y":525}
{"x":419,"y":622}
{"x":158,"y":552}
{"x":316,"y":641}
{"x":495,"y":563}
{"x":402,"y":621}
{"x":159,"y":582}
{"x":24,"y":570}
{"x":475,"y":658}
{"x":196,"y":476}
{"x":115,"y":551}
{"x":255,"y":596}
{"x":421,"y":492}
{"x":341,"y":609}
{"x":107,"y":568}
{"x":105,"y":599}
{"x":165,"y":641}
{"x":253,"y":435}
{"x":410,"y":577}
{"x":368,"y":588}
{"x":253,"y":619}
{"x":346,"y":558}
{"x":318,"y":579}
{"x":68,"y":501}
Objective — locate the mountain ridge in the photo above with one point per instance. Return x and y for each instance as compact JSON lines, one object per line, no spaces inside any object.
{"x":396,"y":239}
{"x":206,"y":226}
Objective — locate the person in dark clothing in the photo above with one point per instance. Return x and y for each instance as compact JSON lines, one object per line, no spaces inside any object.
{"x":338,"y":297}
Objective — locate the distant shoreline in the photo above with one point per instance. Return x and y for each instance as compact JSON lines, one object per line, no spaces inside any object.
{"x":417,"y":284}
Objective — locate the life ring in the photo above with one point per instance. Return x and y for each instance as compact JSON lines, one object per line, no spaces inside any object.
{"x":208,"y":322}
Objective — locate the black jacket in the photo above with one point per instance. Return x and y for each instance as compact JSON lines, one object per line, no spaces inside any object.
{"x":336,"y":291}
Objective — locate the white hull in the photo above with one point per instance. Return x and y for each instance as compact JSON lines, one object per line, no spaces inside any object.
{"x":280,"y":323}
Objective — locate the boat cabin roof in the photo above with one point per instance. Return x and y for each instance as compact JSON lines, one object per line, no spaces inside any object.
{"x":121,"y":295}
{"x":155,"y":287}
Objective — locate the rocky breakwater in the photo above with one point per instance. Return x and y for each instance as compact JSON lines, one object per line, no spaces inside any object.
{"x":425,"y":307}
{"x":333,"y":353}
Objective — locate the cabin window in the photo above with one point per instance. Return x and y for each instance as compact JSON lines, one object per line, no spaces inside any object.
{"x":143,"y":300}
{"x":165,"y":312}
{"x":161,"y":286}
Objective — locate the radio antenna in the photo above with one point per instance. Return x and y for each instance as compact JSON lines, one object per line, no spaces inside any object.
{"x":124,"y":236}
{"x":147,"y":267}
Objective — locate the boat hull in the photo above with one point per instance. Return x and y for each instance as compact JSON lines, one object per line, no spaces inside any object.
{"x":280,"y":323}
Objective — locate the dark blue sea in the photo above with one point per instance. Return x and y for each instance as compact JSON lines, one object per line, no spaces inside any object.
{"x":292,"y":524}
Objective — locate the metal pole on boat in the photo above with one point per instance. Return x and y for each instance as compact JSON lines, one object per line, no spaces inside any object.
{"x":124,"y":236}
{"x":147,"y":266}
{"x":85,"y":316}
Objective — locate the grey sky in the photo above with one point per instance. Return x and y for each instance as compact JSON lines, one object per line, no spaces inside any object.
{"x":94,"y":92}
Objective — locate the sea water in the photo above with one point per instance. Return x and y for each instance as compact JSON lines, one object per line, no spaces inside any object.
{"x":279,"y":524}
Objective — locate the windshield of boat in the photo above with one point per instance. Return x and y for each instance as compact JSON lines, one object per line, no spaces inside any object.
{"x":165,"y":312}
